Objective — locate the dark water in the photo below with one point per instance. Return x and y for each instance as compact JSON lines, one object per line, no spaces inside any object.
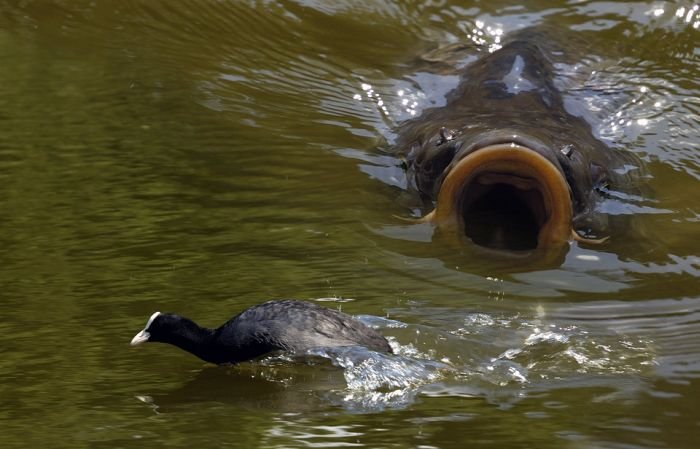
{"x":201,"y":157}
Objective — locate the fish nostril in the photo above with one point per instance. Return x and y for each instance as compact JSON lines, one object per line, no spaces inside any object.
{"x":603,"y":187}
{"x":567,"y":150}
{"x":446,"y":135}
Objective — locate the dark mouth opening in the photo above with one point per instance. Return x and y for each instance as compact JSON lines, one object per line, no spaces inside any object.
{"x":504,"y":212}
{"x":505,"y":197}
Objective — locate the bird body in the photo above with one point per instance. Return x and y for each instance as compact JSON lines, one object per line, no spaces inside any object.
{"x":282,"y":325}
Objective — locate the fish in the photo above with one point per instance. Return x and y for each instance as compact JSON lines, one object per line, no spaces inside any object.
{"x":508,"y":164}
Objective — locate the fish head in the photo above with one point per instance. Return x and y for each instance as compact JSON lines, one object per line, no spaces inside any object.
{"x":504,"y":191}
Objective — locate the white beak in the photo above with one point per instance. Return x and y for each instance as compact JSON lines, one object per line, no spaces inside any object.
{"x":141,"y":337}
{"x":144,"y":335}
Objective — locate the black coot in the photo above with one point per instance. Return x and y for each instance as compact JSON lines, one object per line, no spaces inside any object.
{"x":285,"y":325}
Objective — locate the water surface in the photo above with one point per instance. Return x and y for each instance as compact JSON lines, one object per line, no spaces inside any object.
{"x":206,"y":156}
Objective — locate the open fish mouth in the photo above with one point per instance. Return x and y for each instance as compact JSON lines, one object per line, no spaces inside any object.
{"x":505,"y":196}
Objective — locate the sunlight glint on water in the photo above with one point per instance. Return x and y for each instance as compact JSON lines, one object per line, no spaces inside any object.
{"x":204,"y":157}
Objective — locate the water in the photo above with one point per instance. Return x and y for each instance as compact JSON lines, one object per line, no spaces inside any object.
{"x":203,"y":157}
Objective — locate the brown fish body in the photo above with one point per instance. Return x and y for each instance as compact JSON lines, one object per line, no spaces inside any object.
{"x":505,"y":163}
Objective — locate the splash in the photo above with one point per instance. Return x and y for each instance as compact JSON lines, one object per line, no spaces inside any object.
{"x":377,"y":381}
{"x":535,"y":350}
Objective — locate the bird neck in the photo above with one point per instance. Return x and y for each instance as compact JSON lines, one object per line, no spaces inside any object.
{"x":197,"y":340}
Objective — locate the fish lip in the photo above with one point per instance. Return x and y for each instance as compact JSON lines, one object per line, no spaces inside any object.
{"x":507,"y":159}
{"x":505,"y":136}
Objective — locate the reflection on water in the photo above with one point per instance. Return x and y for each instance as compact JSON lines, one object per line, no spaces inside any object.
{"x":204,"y":158}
